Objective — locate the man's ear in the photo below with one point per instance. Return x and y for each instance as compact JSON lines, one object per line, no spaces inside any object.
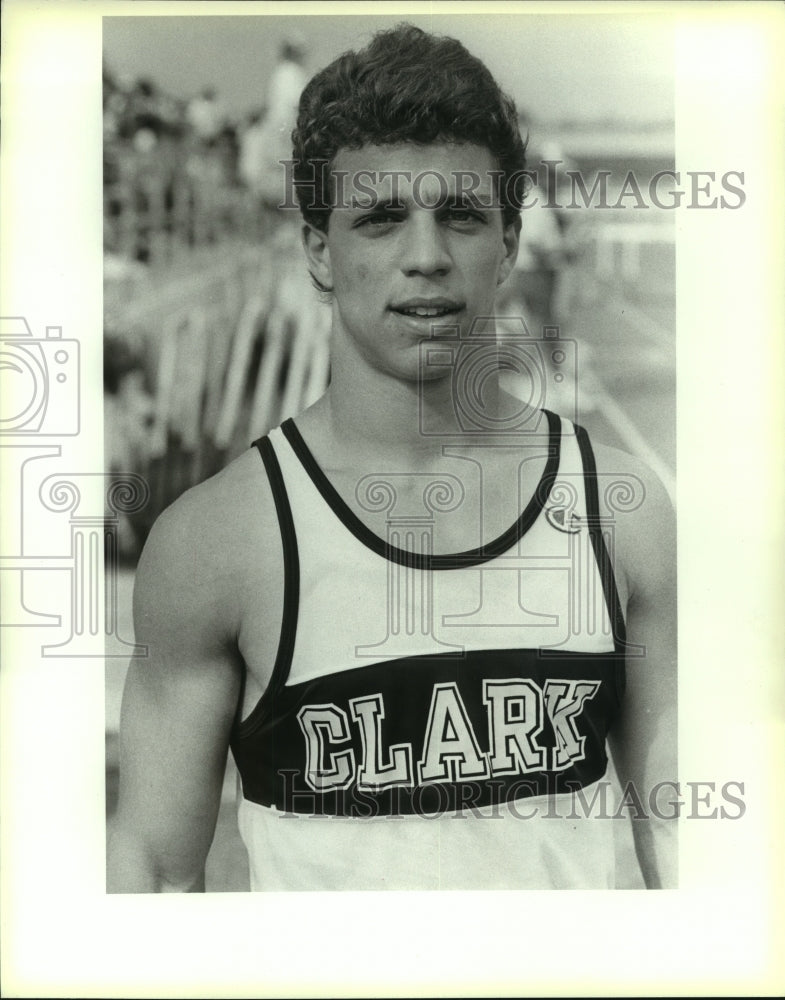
{"x":511,"y":239}
{"x":317,"y":251}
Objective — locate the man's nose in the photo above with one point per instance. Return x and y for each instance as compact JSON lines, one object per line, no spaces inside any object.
{"x":425,"y":249}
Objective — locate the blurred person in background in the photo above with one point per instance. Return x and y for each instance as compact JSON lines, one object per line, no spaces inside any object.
{"x":548,"y":246}
{"x":541,"y":286}
{"x":252,"y":167}
{"x":284,"y":87}
{"x":540,"y":258}
{"x":205,"y":116}
{"x":204,"y":167}
{"x":143,"y":129}
{"x":128,"y":418}
{"x":378,"y":606}
{"x":251,"y":141}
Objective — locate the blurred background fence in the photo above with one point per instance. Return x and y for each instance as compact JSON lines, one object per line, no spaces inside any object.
{"x":201,"y":361}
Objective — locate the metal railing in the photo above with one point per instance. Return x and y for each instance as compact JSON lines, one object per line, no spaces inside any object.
{"x":230,"y":348}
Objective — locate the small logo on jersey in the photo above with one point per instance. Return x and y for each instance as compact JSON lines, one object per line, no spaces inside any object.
{"x":563,"y":519}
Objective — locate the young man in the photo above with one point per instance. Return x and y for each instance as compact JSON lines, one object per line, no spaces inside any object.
{"x":407,"y":611}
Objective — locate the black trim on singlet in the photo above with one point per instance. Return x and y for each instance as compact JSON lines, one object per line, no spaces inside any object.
{"x":428,"y":561}
{"x":598,"y":542}
{"x":291,"y":589}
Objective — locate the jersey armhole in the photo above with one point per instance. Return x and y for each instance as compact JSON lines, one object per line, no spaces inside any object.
{"x":601,"y":554}
{"x":291,"y":590}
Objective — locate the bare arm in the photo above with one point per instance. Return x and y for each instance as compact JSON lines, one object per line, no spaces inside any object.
{"x":178,"y":707}
{"x":644,"y":739}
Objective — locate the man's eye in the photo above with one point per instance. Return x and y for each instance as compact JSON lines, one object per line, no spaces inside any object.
{"x":378,"y":219}
{"x":463,"y":215}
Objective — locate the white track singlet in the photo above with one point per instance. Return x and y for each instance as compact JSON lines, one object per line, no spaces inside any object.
{"x":435,"y":721}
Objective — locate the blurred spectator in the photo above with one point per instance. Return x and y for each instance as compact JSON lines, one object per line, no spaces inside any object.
{"x":182,"y":174}
{"x":251,"y":157}
{"x":205,"y":116}
{"x":146,"y":110}
{"x":286,"y":83}
{"x":142,"y":131}
{"x":129,"y":407}
{"x":531,"y":286}
{"x":251,"y":169}
{"x":128,"y":418}
{"x":228,"y":146}
{"x":541,"y":285}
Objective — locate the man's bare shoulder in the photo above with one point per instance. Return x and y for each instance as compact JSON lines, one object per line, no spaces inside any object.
{"x":220,"y":504}
{"x":204,"y":547}
{"x":635,"y":502}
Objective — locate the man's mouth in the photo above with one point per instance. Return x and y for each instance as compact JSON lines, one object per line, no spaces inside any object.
{"x":428,"y":309}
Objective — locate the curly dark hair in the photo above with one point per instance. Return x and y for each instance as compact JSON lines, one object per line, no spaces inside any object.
{"x":405,"y":86}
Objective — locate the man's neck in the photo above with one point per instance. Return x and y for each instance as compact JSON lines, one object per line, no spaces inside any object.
{"x":373,"y":415}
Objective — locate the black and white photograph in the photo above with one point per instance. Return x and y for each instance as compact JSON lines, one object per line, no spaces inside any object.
{"x":379,"y":427}
{"x":416,"y":604}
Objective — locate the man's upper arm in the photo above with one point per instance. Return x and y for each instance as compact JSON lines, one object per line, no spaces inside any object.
{"x":644,"y":739}
{"x":178,"y":707}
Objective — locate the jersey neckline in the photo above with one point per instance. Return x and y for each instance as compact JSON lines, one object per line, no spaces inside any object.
{"x":431,"y":561}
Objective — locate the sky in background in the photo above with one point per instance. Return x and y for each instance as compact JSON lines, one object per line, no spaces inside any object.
{"x":558,"y":67}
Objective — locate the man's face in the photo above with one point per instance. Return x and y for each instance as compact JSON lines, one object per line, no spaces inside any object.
{"x":423,"y":244}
